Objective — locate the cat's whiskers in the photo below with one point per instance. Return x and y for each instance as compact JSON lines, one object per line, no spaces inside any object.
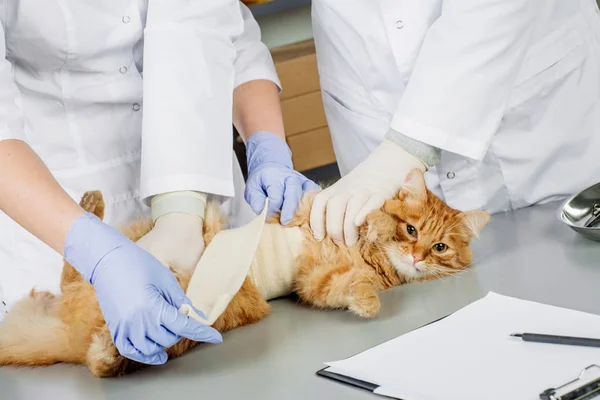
{"x":386,"y":248}
{"x":477,"y":260}
{"x":458,"y":273}
{"x":439,"y":271}
{"x":383,"y":247}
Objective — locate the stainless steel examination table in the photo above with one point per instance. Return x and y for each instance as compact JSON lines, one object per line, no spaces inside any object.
{"x":527,"y":254}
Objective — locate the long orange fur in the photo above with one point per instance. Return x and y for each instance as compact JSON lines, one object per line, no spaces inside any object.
{"x":44,"y":329}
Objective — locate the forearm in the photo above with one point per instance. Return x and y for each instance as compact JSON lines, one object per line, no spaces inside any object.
{"x":31,"y":196}
{"x":256,"y":108}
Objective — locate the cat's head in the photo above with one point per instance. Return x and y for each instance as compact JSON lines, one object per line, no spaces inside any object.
{"x":419,"y":235}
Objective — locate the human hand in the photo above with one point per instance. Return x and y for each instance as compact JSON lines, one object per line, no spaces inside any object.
{"x":138,"y":296}
{"x":177,"y":236}
{"x":340,"y":209}
{"x":271,"y":174}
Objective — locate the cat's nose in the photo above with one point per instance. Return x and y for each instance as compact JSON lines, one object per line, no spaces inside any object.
{"x":417,"y":258}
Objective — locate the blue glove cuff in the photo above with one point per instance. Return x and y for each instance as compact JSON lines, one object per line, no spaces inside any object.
{"x":266,"y":147}
{"x":88,"y":241}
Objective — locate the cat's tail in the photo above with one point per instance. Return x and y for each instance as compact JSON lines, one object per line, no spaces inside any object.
{"x":31,"y":335}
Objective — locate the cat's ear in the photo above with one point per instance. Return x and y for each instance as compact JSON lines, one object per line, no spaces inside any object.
{"x":414,"y":186}
{"x":378,"y":226}
{"x":474,"y":221}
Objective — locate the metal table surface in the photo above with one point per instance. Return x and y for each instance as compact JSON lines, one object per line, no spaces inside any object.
{"x":527,"y":254}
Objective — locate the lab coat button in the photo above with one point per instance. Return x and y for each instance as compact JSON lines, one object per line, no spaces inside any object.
{"x":450,"y":175}
{"x":123,"y":69}
{"x":136,"y":107}
{"x":126,"y":19}
{"x":399,"y":24}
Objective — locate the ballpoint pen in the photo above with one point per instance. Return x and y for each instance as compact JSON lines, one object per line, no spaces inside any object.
{"x":554,"y":339}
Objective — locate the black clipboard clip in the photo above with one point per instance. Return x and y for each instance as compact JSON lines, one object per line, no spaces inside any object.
{"x":585,"y":387}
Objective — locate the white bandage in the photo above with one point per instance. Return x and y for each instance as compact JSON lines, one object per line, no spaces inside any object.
{"x":184,"y":202}
{"x":274,"y":265}
{"x":222,"y":269}
{"x":266,"y":253}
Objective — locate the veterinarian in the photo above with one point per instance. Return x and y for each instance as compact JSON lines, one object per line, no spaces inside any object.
{"x":498,"y":100}
{"x":135,"y":99}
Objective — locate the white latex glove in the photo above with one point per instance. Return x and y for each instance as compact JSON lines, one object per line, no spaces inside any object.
{"x":340,"y":209}
{"x":176,"y":238}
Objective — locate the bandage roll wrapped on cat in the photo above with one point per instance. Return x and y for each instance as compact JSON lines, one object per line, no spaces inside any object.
{"x":413,"y":237}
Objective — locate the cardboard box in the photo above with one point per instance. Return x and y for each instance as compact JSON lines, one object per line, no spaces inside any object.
{"x":303,"y":113}
{"x":312,"y":149}
{"x":304,"y":118}
{"x":296,"y":65}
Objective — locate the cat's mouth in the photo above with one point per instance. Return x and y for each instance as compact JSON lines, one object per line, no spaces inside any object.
{"x":404,"y":265}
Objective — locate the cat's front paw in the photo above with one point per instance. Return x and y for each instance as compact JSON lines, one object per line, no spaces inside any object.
{"x":364,"y":303}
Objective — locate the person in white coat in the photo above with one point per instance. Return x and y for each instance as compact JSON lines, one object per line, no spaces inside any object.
{"x":135,"y":99}
{"x":498,"y":100}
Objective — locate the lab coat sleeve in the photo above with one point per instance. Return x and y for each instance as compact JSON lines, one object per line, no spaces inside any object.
{"x":189,"y":57}
{"x":11,"y":113}
{"x":253,"y":61}
{"x":462,"y":79}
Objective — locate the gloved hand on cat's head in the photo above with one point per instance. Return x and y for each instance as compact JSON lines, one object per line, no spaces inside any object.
{"x":139,"y":297}
{"x":340,"y":209}
{"x":271,"y":174}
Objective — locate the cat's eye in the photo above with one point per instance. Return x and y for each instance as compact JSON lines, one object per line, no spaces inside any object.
{"x":440,"y":247}
{"x":411,"y":230}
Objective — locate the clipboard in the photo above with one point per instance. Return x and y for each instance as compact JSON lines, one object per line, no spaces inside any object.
{"x":586,"y":386}
{"x":360,"y":384}
{"x":371,"y":387}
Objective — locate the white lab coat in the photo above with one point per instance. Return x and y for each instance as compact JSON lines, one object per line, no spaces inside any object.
{"x":510,"y":89}
{"x":71,"y":86}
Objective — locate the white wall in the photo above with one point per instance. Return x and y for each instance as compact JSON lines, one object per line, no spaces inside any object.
{"x":286,"y":27}
{"x":289,"y":26}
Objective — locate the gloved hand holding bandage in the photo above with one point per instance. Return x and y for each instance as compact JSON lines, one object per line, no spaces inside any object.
{"x":138,"y":296}
{"x":340,"y":209}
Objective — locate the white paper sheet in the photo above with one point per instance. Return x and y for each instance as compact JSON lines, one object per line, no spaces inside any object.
{"x":470,"y":355}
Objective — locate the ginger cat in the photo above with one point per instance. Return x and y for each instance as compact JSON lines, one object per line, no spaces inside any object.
{"x":413,"y":237}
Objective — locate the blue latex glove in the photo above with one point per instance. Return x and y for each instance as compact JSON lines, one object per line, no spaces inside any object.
{"x":139,"y":297}
{"x":271,"y":173}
